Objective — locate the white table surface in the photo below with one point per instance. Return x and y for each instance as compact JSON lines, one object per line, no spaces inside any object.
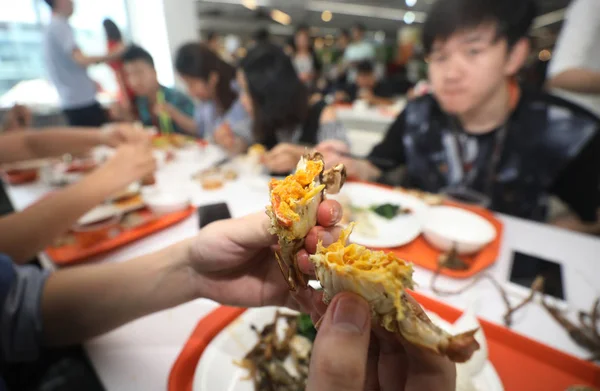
{"x":139,"y":355}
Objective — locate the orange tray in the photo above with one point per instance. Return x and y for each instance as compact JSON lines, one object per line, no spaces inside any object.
{"x":77,"y":252}
{"x":20,"y":177}
{"x":421,"y":253}
{"x":522,"y":363}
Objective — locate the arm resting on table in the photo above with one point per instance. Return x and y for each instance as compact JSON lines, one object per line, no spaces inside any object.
{"x":33,"y":144}
{"x":30,"y":231}
{"x":96,"y":299}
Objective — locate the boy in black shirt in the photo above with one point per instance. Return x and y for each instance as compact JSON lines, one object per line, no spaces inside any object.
{"x":479,"y":130}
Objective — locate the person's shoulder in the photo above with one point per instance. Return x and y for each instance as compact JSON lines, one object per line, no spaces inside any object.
{"x":175,"y":94}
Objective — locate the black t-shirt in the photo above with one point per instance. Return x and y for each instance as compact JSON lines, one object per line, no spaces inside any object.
{"x":577,"y":183}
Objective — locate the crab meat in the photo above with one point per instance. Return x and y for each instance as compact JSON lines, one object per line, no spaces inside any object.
{"x":293,"y":209}
{"x":382,"y":279}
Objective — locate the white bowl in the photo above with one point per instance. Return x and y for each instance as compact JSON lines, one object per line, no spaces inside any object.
{"x":162,"y":201}
{"x":445,"y":226}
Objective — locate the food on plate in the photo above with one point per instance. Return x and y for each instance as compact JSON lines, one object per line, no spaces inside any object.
{"x":177,"y":141}
{"x":135,"y":219}
{"x":382,"y":280}
{"x":211,"y":183}
{"x":279,"y":360}
{"x":230,"y":175}
{"x":130,"y":203}
{"x":429,"y":198}
{"x":293,"y":209}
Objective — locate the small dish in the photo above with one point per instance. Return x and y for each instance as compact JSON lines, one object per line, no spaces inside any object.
{"x":446,"y":226}
{"x":163,"y":202}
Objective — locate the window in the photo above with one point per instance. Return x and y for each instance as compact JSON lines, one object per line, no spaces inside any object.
{"x":21,"y":38}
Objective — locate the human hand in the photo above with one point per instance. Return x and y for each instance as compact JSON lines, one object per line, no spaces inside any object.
{"x":335,"y":152}
{"x":122,"y":133}
{"x":348,"y":356}
{"x":17,"y":118}
{"x":283,"y":158}
{"x":130,"y":163}
{"x":224,"y":136}
{"x":234,"y":261}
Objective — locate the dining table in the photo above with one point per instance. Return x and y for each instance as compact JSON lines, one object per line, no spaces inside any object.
{"x":140,"y":354}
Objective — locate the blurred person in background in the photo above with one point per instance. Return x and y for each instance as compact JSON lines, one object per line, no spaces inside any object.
{"x":115,"y":44}
{"x":284,"y":120}
{"x":220,"y":116}
{"x":305,"y":58}
{"x":166,"y":108}
{"x":367,"y":88}
{"x":574,"y":70}
{"x":66,"y":66}
{"x":23,"y":234}
{"x":358,"y":50}
{"x":262,"y":35}
{"x":213,"y":41}
{"x":479,"y":131}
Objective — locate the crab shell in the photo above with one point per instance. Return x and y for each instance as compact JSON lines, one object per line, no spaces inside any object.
{"x":384,"y":289}
{"x":291,"y":234}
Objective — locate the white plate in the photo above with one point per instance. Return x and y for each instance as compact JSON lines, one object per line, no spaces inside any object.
{"x":389,"y":233}
{"x":217,"y":371}
{"x":99,"y":213}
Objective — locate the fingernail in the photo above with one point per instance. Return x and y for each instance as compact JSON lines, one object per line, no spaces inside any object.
{"x":351,"y":315}
{"x":326,"y":238}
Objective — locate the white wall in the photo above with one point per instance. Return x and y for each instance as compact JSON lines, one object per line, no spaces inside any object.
{"x":161,"y":27}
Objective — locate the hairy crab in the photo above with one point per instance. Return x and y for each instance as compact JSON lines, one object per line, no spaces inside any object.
{"x":293,"y":209}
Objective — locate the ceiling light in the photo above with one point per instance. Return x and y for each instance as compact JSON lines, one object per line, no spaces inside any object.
{"x":326,"y":16}
{"x":410,"y":3}
{"x":409,"y":17}
{"x":250,"y":4}
{"x":281,"y":17}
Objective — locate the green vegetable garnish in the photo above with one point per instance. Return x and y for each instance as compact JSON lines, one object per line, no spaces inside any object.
{"x":306,"y":327}
{"x":388,"y":211}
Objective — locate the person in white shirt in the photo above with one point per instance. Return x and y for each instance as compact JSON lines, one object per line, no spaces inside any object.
{"x":574,"y":71}
{"x":359,"y":50}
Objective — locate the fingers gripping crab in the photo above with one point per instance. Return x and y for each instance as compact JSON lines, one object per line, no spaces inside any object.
{"x":293,"y":210}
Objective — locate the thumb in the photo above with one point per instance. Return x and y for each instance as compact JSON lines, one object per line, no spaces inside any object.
{"x":339,"y":356}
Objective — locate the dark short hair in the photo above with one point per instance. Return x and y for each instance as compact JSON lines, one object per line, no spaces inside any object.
{"x":345,"y":33}
{"x":512,"y":18}
{"x":137,"y":53}
{"x":302,"y":28}
{"x":50,"y":3}
{"x":360,"y":27}
{"x":365,"y":67}
{"x":112,"y":30}
{"x":210,"y":35}
{"x":197,"y":61}
{"x":279,"y":97}
{"x":262,"y":35}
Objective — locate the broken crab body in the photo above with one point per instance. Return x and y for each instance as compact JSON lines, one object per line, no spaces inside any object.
{"x":293,"y":210}
{"x":381,"y":279}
